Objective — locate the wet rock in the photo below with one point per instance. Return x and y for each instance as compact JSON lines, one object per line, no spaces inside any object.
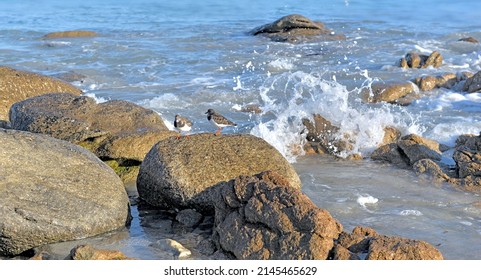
{"x":251,"y":108}
{"x":294,"y":28}
{"x":469,"y":40}
{"x":71,"y":77}
{"x":322,"y":132}
{"x":172,"y":247}
{"x":391,"y":153}
{"x":70,"y":34}
{"x":88,"y":252}
{"x":415,"y":60}
{"x":41,"y":256}
{"x":114,"y":130}
{"x":468,"y":156}
{"x":416,"y":147}
{"x":431,"y":169}
{"x":262,"y":217}
{"x":189,"y":217}
{"x":389,"y":92}
{"x":53,"y":191}
{"x":365,"y":243}
{"x":473,"y":84}
{"x":5,"y":124}
{"x":18,"y":85}
{"x":391,"y":135}
{"x":408,"y":150}
{"x":181,"y":173}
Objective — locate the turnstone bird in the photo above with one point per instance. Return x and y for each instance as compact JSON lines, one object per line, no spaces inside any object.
{"x":218,"y":120}
{"x":183,"y":124}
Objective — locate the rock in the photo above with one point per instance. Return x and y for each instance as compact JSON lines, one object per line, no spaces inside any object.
{"x":53,"y":191}
{"x":473,"y":84}
{"x":5,"y":124}
{"x":322,"y":132}
{"x":468,"y":163}
{"x":427,"y":83}
{"x":391,"y":153}
{"x":431,"y":169}
{"x":189,"y":217}
{"x":398,"y":248}
{"x":177,"y":250}
{"x":365,"y":243}
{"x":18,"y":85}
{"x":389,"y":92}
{"x":293,"y":28}
{"x":262,"y":217}
{"x":88,"y":252}
{"x":415,"y":60}
{"x":251,"y":108}
{"x":114,"y":130}
{"x":416,"y":147}
{"x":180,"y":173}
{"x":469,"y":40}
{"x":71,"y":77}
{"x":70,"y":34}
{"x":391,"y":135}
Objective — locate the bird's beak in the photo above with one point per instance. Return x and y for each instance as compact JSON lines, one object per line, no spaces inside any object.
{"x":206,"y":112}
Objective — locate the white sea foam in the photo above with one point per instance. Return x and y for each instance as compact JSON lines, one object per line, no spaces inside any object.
{"x":279,"y":65}
{"x":97,"y":99}
{"x":363,"y":200}
{"x":410,"y":213}
{"x":294,"y":96}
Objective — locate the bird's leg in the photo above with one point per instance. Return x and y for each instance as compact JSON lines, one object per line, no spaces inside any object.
{"x":218,"y":132}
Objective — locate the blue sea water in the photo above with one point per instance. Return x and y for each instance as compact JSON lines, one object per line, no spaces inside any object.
{"x":187,"y":56}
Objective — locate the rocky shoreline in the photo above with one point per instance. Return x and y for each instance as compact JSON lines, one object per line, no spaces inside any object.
{"x":65,"y":160}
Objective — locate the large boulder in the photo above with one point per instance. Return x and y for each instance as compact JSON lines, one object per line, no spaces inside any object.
{"x":115,"y":130}
{"x":262,"y":217}
{"x":180,"y":173}
{"x":18,"y":85}
{"x":366,"y":243}
{"x":52,"y":191}
{"x":390,"y":92}
{"x":293,"y":28}
{"x":468,"y":156}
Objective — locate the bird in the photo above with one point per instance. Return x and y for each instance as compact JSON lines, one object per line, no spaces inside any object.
{"x":183,"y":124}
{"x":218,"y":120}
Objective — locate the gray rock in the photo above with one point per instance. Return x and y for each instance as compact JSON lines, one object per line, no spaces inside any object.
{"x":473,"y":84}
{"x":416,"y":148}
{"x":181,"y":173}
{"x":189,"y":217}
{"x":18,"y":85}
{"x":52,"y":191}
{"x":114,"y":130}
{"x":262,"y":217}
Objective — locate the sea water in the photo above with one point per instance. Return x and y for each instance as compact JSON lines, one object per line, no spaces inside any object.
{"x":184,"y":57}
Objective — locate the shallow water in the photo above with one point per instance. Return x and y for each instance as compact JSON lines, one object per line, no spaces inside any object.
{"x":184,"y":57}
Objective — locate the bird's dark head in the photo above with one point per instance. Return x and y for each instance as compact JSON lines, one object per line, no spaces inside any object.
{"x":210,"y":112}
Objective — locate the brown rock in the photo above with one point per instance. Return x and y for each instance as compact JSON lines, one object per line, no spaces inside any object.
{"x":180,"y":173}
{"x":391,"y":135}
{"x":469,"y":40}
{"x":262,"y":217}
{"x":17,"y":85}
{"x":397,"y":248}
{"x":416,"y":147}
{"x":88,"y":252}
{"x":365,"y":243}
{"x":388,"y":92}
{"x":431,"y":169}
{"x":70,"y":34}
{"x":293,"y":28}
{"x":415,"y":60}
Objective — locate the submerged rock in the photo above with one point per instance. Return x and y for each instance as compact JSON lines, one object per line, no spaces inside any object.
{"x":262,"y":217}
{"x":293,"y":28}
{"x":469,"y":40}
{"x":53,"y":191}
{"x":88,"y":252}
{"x":181,"y":173}
{"x":70,"y":34}
{"x":114,"y":130}
{"x":18,"y":85}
